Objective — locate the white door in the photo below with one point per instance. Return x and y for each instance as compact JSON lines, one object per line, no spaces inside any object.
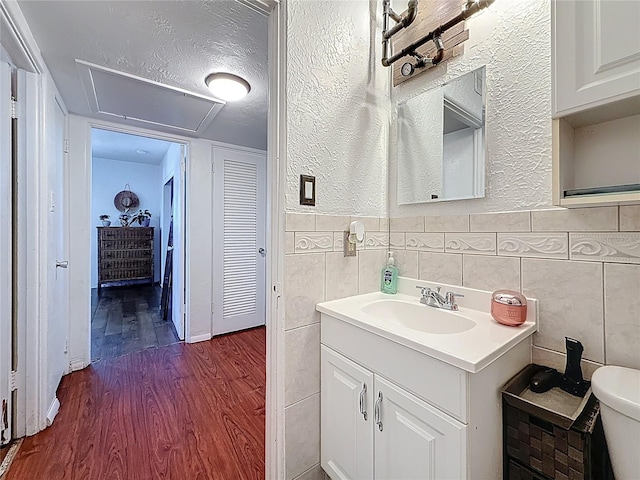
{"x":413,"y":440}
{"x":239,"y":240}
{"x":58,"y":255}
{"x":346,"y":417}
{"x":5,"y":252}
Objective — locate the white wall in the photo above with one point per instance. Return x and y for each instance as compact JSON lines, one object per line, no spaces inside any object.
{"x":513,"y":39}
{"x":108,"y":178}
{"x":338,"y":107}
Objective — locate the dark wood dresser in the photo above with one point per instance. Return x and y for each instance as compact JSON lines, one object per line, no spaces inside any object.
{"x":124,"y":254}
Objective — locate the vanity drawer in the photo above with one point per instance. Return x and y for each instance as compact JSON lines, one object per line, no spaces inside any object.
{"x":434,"y":381}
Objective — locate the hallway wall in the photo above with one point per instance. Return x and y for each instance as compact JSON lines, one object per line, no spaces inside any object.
{"x":108,"y":178}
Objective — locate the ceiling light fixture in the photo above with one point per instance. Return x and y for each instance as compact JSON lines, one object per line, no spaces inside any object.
{"x":142,"y":152}
{"x":227,"y":86}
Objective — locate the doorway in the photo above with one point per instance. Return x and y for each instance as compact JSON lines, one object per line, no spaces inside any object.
{"x":137,"y":243}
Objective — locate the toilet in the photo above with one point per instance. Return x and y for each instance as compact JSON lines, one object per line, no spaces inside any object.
{"x":618,"y":390}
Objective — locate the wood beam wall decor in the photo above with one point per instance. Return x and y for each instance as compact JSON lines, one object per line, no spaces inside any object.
{"x":431,"y":14}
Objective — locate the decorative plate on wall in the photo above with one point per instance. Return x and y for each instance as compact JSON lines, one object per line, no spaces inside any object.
{"x":126,"y":199}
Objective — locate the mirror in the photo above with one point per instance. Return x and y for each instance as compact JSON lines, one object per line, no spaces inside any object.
{"x":441,"y":142}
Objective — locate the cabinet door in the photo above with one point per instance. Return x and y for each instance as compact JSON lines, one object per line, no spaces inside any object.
{"x":596,"y":52}
{"x":414,"y":440}
{"x":346,"y":418}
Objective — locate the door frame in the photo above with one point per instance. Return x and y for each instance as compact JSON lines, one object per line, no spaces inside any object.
{"x":81,"y":231}
{"x":178,"y":180}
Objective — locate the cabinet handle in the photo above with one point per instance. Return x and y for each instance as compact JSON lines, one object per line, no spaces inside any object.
{"x":376,"y":411}
{"x":363,"y":392}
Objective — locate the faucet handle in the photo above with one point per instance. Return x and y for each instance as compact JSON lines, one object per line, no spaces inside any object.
{"x":423,"y":290}
{"x":450,"y":298}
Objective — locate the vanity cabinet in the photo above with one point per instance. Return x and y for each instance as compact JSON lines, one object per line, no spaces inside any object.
{"x":595,"y":102}
{"x":372,"y":428}
{"x":391,"y":412}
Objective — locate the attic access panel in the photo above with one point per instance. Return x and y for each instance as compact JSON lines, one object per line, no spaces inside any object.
{"x":133,"y":98}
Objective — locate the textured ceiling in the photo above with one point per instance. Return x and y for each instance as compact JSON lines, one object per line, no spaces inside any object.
{"x":127,"y":148}
{"x":176,"y":43}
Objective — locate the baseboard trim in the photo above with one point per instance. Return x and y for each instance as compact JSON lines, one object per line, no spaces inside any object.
{"x":53,"y":411}
{"x":199,"y":338}
{"x":77,"y":364}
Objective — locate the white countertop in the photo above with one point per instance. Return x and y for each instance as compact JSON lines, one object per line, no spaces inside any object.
{"x":470,"y":350}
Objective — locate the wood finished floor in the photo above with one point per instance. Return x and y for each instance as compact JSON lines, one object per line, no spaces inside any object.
{"x":183,"y":411}
{"x":126,"y":320}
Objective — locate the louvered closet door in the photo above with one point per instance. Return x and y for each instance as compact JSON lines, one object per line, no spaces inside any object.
{"x":239,"y":240}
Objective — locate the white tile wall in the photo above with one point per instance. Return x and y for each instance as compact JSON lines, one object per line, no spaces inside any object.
{"x":537,"y":245}
{"x":302,"y":436}
{"x":307,"y":242}
{"x":491,"y":272}
{"x":302,"y":362}
{"x":500,"y":222}
{"x":592,"y":296}
{"x":571,"y":303}
{"x":603,"y":219}
{"x":605,"y":247}
{"x":426,"y":242}
{"x":630,"y":218}
{"x":342,"y":276}
{"x":622,"y":314}
{"x":446,"y":223}
{"x":440,"y":267}
{"x":315,"y":270}
{"x":471,"y":243}
{"x":303,"y":288}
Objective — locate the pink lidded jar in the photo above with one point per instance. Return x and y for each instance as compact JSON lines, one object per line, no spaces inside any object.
{"x":509,"y":307}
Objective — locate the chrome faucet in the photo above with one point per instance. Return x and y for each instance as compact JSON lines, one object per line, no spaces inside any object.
{"x":432,"y":298}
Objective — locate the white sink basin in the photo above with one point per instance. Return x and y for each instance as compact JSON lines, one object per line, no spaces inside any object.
{"x":417,"y":316}
{"x":468,"y":338}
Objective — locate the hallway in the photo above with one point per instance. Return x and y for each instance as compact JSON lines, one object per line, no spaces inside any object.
{"x":181,"y":411}
{"x":126,"y":320}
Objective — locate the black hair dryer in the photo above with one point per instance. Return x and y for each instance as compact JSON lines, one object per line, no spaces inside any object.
{"x":571,"y":381}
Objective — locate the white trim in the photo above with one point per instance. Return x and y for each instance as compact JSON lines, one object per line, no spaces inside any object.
{"x":240,"y":148}
{"x":80,"y":231}
{"x":77,"y":364}
{"x":276,"y":176}
{"x":21,"y":33}
{"x":199,"y":338}
{"x":53,"y":411}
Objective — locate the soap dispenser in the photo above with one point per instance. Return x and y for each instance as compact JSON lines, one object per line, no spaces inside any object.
{"x":389,"y":283}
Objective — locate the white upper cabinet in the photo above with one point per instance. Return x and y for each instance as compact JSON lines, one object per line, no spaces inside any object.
{"x":595,"y":53}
